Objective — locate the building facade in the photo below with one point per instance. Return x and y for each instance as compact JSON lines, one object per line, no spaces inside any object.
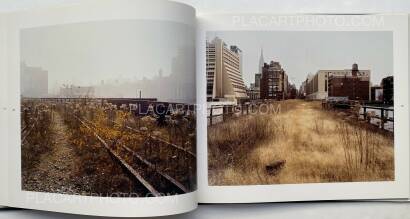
{"x":33,"y":82}
{"x":352,"y":83}
{"x":376,"y":93}
{"x":388,"y":90}
{"x":302,"y":90}
{"x":292,"y":91}
{"x":316,"y":85}
{"x":224,"y":72}
{"x":260,"y":64}
{"x":274,"y":82}
{"x":258,"y":77}
{"x":253,"y":92}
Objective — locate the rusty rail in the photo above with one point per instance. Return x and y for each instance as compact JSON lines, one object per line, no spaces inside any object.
{"x":154,"y":191}
{"x":163,"y":141}
{"x":154,"y":138}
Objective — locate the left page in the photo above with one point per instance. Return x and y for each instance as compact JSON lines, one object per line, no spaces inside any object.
{"x":100,"y":107}
{"x":3,"y":113}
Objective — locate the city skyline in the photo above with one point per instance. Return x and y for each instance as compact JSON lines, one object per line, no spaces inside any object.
{"x":109,"y":81}
{"x":115,"y":52}
{"x":34,"y":85}
{"x":85,"y":54}
{"x":311,"y":51}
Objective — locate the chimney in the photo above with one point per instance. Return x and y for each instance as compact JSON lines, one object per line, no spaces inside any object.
{"x":355,"y":70}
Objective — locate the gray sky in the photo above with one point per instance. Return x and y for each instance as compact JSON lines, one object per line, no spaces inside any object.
{"x":86,"y":53}
{"x":303,"y":52}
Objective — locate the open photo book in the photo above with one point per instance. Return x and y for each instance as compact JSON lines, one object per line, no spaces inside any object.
{"x":147,"y":108}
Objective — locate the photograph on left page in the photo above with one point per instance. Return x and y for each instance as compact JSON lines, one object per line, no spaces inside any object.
{"x":107,"y":108}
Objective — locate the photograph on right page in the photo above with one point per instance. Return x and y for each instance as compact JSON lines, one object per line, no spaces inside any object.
{"x":294,"y":107}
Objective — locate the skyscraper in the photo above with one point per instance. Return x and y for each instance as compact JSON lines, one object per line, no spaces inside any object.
{"x":261,"y":62}
{"x":258,"y":77}
{"x":224,"y":72}
{"x":254,"y":89}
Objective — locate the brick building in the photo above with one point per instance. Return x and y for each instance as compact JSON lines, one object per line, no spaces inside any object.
{"x":354,"y":85}
{"x":274,"y":82}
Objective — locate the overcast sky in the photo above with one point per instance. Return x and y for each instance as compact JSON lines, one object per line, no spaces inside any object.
{"x":303,"y":52}
{"x":86,"y":53}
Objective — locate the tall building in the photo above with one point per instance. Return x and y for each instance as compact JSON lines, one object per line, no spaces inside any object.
{"x":261,"y":62}
{"x":258,"y":77}
{"x":224,"y":72}
{"x":33,"y":81}
{"x":274,"y":82}
{"x":254,"y":90}
{"x":388,"y":90}
{"x":352,"y":83}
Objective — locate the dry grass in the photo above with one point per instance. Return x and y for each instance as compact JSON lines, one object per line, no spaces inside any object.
{"x":94,"y":165}
{"x":38,"y":142}
{"x":317,"y":146}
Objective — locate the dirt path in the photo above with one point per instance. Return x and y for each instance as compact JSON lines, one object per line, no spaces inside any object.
{"x":54,"y":172}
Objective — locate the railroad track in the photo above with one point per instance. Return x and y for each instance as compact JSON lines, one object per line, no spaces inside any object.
{"x":26,"y":131}
{"x":154,"y":138}
{"x":156,"y":182}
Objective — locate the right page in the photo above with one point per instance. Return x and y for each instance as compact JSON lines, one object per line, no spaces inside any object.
{"x":302,"y":107}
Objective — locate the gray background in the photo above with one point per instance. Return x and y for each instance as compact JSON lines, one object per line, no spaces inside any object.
{"x":315,"y":210}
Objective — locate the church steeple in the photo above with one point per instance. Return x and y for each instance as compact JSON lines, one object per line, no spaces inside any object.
{"x":261,"y":61}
